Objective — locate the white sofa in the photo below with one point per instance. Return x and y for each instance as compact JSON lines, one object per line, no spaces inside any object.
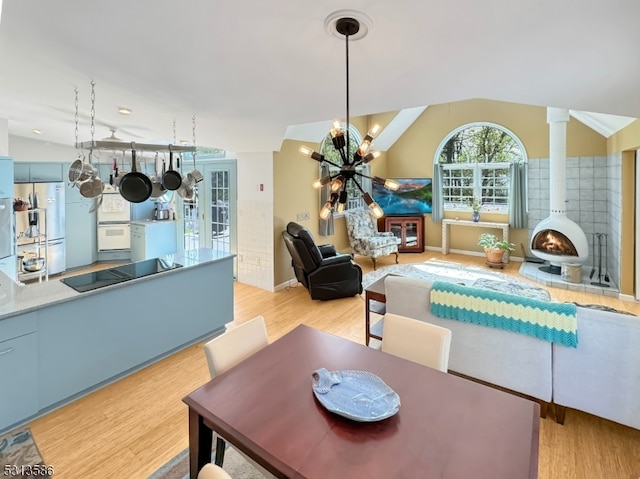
{"x":601,"y":376}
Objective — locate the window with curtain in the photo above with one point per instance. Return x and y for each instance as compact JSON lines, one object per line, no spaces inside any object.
{"x":354,"y":195}
{"x":475,"y":160}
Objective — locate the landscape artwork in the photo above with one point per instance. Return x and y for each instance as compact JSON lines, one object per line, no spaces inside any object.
{"x":414,"y":196}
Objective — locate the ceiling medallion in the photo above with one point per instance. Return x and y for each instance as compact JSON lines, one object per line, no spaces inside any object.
{"x":362,"y":20}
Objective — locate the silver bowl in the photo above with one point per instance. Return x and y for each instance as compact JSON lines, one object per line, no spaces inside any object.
{"x":32,"y":265}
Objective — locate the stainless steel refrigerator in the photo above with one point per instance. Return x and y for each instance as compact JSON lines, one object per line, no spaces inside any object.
{"x":35,"y":228}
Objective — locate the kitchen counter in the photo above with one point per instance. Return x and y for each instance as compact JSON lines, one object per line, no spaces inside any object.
{"x":16,"y":299}
{"x":146,"y":222}
{"x":58,"y":344}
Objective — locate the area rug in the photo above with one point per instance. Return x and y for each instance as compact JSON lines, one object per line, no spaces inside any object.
{"x":438,"y":270}
{"x":235,"y":465}
{"x":18,"y":450}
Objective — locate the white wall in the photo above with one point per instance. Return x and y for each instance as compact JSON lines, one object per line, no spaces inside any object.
{"x":255,"y":219}
{"x":4,"y":137}
{"x":26,"y":149}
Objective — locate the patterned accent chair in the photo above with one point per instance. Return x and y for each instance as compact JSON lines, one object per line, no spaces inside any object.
{"x":364,"y":237}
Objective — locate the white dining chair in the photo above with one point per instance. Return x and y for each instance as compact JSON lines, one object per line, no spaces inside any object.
{"x":417,"y":341}
{"x":211,"y":471}
{"x":229,"y":349}
{"x":236,"y":345}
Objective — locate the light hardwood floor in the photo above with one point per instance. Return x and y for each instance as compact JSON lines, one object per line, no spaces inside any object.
{"x":132,"y":427}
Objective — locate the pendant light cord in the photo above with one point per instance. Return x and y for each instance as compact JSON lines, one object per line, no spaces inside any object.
{"x":346,"y":42}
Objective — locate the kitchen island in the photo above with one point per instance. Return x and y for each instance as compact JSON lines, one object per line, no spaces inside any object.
{"x":57,"y":344}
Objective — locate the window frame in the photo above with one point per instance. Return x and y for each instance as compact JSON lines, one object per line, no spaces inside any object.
{"x":475,"y":168}
{"x":365,"y":169}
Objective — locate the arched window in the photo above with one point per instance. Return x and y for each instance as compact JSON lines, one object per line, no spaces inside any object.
{"x":475,"y":161}
{"x":354,"y":195}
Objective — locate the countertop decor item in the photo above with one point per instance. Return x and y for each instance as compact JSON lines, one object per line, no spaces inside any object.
{"x":358,"y":395}
{"x":348,"y":160}
{"x":20,"y":205}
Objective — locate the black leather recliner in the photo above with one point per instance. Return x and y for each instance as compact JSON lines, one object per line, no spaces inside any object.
{"x":324,"y":272}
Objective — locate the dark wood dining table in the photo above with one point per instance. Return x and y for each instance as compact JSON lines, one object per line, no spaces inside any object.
{"x":447,"y":426}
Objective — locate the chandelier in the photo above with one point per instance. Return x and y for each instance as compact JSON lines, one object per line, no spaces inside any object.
{"x":351,"y":160}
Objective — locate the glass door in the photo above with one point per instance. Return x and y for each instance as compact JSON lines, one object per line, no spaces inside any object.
{"x":411,"y":234}
{"x":209,"y":220}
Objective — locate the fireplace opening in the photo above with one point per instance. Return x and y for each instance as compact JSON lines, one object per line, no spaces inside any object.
{"x":553,"y":242}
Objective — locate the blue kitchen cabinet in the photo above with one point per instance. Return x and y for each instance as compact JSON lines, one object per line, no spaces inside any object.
{"x":21,"y":173}
{"x":6,"y":177}
{"x":8,"y":261}
{"x":100,"y":336}
{"x":72,"y":195}
{"x":80,"y":227}
{"x":38,"y":172}
{"x":19,"y":357}
{"x":152,"y":239}
{"x":80,"y":240}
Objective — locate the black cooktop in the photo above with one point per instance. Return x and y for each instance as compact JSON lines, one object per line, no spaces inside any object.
{"x":118,"y":274}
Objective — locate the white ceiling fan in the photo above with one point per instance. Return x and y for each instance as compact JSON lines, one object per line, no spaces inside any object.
{"x":112,"y":136}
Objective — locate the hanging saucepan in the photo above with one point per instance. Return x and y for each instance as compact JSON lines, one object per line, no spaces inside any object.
{"x":135,"y":186}
{"x":195,"y":176}
{"x":80,"y":170}
{"x":186,"y":189}
{"x":171,"y":179}
{"x":156,"y":180}
{"x":92,"y":188}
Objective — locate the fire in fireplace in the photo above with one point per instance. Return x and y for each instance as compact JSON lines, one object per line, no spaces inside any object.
{"x":553,"y":242}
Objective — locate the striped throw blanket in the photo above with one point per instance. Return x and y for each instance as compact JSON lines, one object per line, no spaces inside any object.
{"x":550,"y":321}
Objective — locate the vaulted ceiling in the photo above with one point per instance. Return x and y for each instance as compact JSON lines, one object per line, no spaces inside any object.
{"x":252,"y":70}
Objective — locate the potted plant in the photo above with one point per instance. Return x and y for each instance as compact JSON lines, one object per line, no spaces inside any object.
{"x":20,"y":205}
{"x":494,"y":248}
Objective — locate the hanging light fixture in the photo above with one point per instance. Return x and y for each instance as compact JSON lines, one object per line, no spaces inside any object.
{"x":348,"y":26}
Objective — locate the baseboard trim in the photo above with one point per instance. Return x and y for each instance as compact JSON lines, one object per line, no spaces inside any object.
{"x":627,"y":297}
{"x":517,"y":259}
{"x":290,"y":283}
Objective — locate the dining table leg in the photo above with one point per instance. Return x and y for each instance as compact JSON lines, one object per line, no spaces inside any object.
{"x":200,"y":442}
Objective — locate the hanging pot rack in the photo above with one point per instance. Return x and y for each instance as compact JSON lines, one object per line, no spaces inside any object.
{"x":127,"y":146}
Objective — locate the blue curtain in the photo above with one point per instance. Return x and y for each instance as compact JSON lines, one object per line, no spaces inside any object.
{"x":325,"y":227}
{"x":437,"y":203}
{"x":518,"y":197}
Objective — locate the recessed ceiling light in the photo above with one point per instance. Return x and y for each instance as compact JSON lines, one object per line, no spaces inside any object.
{"x":36,"y":131}
{"x":124,"y":110}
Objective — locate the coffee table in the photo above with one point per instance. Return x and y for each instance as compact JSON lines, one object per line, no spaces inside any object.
{"x":447,"y":427}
